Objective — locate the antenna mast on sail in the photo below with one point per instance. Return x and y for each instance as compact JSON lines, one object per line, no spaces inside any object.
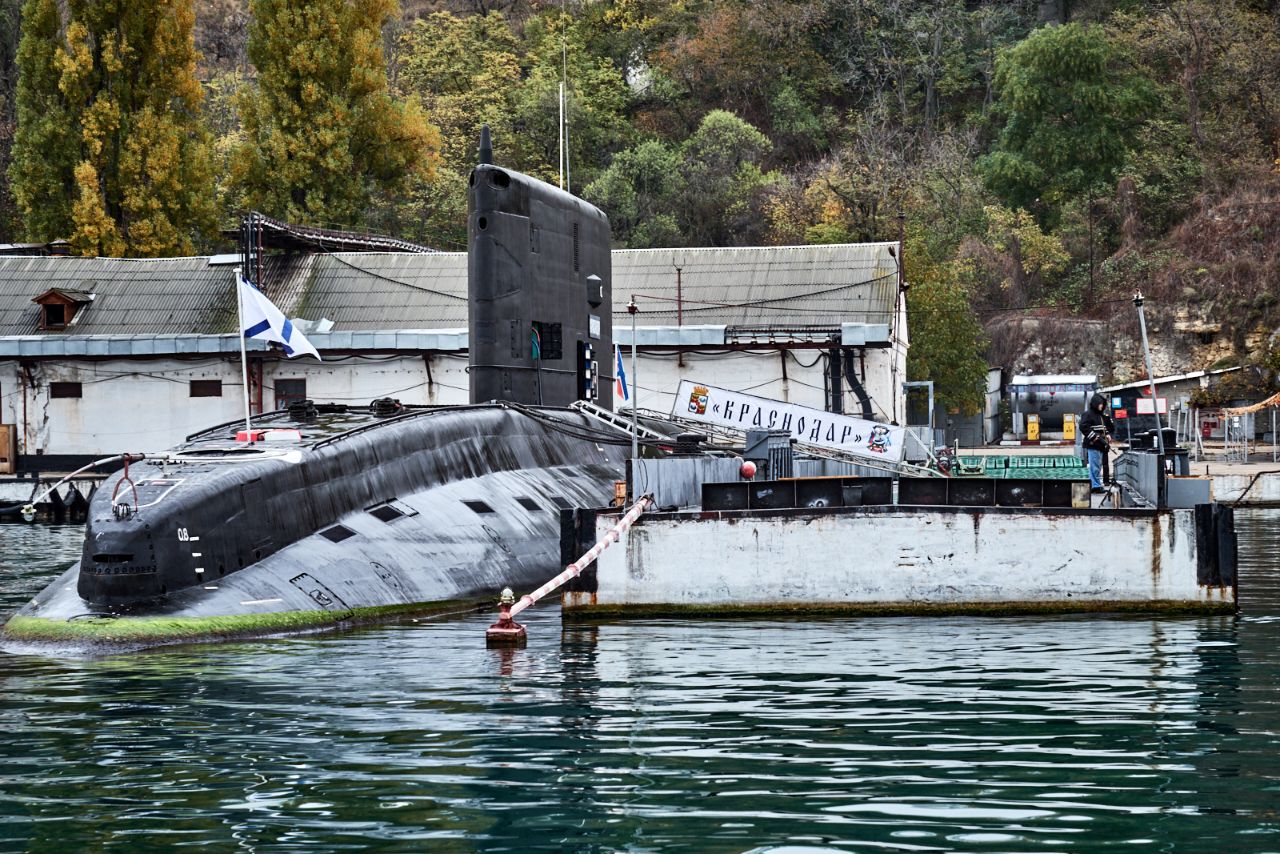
{"x":565,"y":180}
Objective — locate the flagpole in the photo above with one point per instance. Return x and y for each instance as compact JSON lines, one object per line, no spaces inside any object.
{"x":244,"y":356}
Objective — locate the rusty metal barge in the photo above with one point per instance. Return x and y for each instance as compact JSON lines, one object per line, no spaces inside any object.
{"x":971,"y":543}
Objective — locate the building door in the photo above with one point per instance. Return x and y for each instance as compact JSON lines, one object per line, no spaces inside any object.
{"x":289,"y":391}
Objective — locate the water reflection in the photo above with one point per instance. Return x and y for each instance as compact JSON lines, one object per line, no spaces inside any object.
{"x":900,"y":734}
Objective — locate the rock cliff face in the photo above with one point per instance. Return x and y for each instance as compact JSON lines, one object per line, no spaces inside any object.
{"x":1212,"y":288}
{"x":1181,"y":339}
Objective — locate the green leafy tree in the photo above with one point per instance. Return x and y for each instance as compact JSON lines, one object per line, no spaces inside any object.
{"x":466,"y":71}
{"x":321,"y":131}
{"x":45,"y":145}
{"x":1014,"y":262}
{"x":947,"y":341}
{"x":639,"y":191}
{"x":115,"y":156}
{"x":1071,"y":113}
{"x":10,"y":37}
{"x":723,"y":191}
{"x":432,"y":211}
{"x":596,"y":101}
{"x":708,"y":191}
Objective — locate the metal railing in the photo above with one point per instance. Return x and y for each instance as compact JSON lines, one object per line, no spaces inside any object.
{"x":731,"y":437}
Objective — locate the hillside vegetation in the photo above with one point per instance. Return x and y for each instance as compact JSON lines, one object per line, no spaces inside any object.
{"x":1044,"y":159}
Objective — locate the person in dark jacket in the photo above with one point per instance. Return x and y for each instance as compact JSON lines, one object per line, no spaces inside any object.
{"x":1095,"y":432}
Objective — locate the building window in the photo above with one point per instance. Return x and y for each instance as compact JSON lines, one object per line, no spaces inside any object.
{"x":55,"y":316}
{"x":206,"y":388}
{"x":64,"y":390}
{"x":289,"y":391}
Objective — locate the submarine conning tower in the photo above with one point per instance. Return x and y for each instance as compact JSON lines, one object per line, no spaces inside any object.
{"x":539,"y":282}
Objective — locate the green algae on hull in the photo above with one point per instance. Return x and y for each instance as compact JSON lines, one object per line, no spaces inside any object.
{"x":168,"y":630}
{"x":1161,"y":607}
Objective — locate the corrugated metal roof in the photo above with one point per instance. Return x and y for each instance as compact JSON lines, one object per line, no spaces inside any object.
{"x":170,"y":295}
{"x":389,"y":290}
{"x":753,"y":286}
{"x":759,"y":285}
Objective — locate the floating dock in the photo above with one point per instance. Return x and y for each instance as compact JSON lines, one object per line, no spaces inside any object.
{"x":869,"y":545}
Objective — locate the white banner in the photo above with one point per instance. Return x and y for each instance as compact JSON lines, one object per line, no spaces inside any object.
{"x":811,"y":426}
{"x":1145,"y":407}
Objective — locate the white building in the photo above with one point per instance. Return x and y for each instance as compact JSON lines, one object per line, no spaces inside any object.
{"x":100,"y":355}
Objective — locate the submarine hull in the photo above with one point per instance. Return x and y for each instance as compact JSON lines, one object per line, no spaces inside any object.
{"x":357,"y":520}
{"x":336,"y":515}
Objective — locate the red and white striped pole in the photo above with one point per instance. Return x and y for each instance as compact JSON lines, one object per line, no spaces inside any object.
{"x":507,"y":630}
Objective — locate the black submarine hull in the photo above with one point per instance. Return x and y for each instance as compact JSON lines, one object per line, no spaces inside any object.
{"x":342,"y":515}
{"x":359,"y":519}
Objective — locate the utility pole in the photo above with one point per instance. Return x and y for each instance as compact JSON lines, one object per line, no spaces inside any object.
{"x":1146,"y":354}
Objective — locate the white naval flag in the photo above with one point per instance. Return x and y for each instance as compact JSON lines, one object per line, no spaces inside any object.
{"x":260,"y":318}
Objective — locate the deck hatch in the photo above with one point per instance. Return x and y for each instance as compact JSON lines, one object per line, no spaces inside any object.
{"x":337,"y":533}
{"x":385,"y":512}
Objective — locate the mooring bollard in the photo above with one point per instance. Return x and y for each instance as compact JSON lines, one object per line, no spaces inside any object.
{"x":507,"y":631}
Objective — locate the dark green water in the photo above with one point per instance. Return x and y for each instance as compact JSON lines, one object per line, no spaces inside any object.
{"x":1026,"y":734}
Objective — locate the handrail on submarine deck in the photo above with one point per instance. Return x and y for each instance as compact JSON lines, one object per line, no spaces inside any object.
{"x":379,"y":422}
{"x":340,"y":408}
{"x":429,"y":410}
{"x":261,"y":416}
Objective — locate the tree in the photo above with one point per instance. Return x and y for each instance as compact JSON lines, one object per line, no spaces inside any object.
{"x":947,"y":342}
{"x":220,"y":35}
{"x":1012,"y":262}
{"x":639,"y":191}
{"x":1218,"y":81}
{"x":10,"y":37}
{"x":723,"y":194}
{"x":114,"y":152}
{"x":708,"y":191}
{"x":1071,"y":114}
{"x":321,"y":131}
{"x":759,"y":61}
{"x":45,"y":147}
{"x":596,"y":101}
{"x":466,"y":71}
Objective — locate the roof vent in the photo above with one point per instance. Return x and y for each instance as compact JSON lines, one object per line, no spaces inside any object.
{"x":385,"y":407}
{"x":303,"y":410}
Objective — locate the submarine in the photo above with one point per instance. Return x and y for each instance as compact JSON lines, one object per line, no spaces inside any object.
{"x":327,"y":515}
